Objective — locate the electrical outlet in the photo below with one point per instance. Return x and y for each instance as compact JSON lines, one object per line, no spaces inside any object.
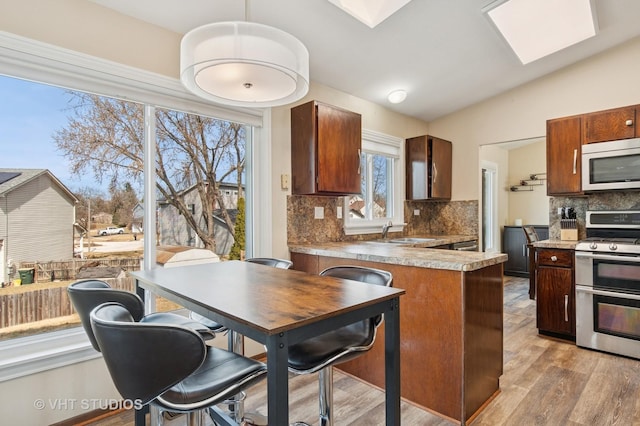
{"x":284,"y":181}
{"x":416,"y":212}
{"x":318,"y":213}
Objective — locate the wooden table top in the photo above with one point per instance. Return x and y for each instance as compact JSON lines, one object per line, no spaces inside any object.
{"x":268,"y":299}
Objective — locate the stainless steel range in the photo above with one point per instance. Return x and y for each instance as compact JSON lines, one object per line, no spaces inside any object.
{"x":608,"y":283}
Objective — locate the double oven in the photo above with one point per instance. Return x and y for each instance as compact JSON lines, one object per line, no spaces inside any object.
{"x":607,"y":277}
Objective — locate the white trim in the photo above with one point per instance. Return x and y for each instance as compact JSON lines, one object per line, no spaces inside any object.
{"x":261,"y":199}
{"x":33,"y":354}
{"x":390,"y":146}
{"x":44,"y":63}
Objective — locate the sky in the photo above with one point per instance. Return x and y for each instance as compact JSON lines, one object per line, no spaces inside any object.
{"x":30,"y":114}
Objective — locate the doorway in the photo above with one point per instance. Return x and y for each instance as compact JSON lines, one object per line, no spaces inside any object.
{"x":489,"y":207}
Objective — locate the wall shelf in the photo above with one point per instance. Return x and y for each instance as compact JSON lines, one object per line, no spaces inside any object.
{"x":535,"y":179}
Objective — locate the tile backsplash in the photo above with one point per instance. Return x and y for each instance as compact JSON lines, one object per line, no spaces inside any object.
{"x":435,"y":218}
{"x":610,"y":200}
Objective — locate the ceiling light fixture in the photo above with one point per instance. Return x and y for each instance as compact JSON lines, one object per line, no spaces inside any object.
{"x":537,"y":28}
{"x":244,"y":64}
{"x":397,"y":96}
{"x":370,"y":12}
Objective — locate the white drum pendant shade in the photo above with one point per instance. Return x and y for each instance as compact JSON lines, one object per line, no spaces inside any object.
{"x":244,"y":64}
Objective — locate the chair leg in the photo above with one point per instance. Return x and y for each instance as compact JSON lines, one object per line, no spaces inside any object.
{"x":156,"y":418}
{"x":325,"y":381}
{"x":196,"y":418}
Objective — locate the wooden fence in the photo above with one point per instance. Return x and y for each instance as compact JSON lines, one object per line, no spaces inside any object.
{"x":67,"y":270}
{"x":45,"y":301}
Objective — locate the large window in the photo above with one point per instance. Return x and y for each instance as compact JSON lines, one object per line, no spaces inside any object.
{"x":382,"y":184}
{"x":128,"y":91}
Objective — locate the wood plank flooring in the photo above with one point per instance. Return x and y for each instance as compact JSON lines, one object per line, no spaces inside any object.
{"x":545,"y":382}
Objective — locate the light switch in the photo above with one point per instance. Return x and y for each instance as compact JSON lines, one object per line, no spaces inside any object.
{"x":319,"y":213}
{"x":339,"y":212}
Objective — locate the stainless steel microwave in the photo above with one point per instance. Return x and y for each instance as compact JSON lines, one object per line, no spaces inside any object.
{"x":611,"y":165}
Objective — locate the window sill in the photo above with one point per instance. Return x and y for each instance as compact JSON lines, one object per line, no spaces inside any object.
{"x":29,"y":355}
{"x":371,"y":228}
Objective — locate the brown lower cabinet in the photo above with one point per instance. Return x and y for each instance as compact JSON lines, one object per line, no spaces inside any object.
{"x":555,"y":304}
{"x":451,"y":334}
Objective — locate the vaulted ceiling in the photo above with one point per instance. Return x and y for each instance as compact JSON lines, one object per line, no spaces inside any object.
{"x":445,"y":53}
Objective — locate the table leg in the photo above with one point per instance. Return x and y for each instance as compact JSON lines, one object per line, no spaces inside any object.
{"x":277,"y":379}
{"x":392,"y":363}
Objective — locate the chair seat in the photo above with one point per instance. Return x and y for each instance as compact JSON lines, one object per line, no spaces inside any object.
{"x":210,"y":324}
{"x":342,"y":344}
{"x":221,"y":375}
{"x":175,"y":319}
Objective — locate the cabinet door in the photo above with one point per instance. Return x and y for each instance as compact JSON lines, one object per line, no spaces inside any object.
{"x":563,"y":156}
{"x":428,"y":168}
{"x":555,"y":300}
{"x":514,"y":244}
{"x":440,"y":170}
{"x":339,"y":142}
{"x":609,"y":125}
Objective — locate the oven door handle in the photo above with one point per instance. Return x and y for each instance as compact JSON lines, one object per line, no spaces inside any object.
{"x":620,"y":257}
{"x":608,"y":293}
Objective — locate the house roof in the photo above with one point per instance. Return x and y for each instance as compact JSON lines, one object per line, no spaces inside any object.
{"x":11,"y":179}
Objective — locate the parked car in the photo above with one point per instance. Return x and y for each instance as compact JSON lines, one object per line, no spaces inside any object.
{"x":110,"y":230}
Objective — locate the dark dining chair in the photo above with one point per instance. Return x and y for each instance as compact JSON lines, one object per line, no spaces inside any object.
{"x":531,"y":236}
{"x":168,"y":367}
{"x":85,"y":295}
{"x":319,"y":354}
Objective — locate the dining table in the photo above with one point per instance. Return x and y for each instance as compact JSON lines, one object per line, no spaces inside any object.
{"x":278,"y":308}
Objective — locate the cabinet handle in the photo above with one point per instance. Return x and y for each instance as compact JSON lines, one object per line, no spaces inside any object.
{"x":524,"y":252}
{"x":629,"y":123}
{"x":575,"y":161}
{"x":435,"y":173}
{"x":554,"y":258}
{"x":359,"y":161}
{"x":566,"y":308}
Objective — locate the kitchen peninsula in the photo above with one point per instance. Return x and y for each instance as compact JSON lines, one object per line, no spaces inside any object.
{"x":450,"y":319}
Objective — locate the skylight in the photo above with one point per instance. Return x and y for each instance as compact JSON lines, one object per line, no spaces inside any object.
{"x":370,"y":12}
{"x":537,"y":28}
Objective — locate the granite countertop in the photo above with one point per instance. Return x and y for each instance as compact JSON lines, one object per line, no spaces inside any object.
{"x":558,"y":244}
{"x":410,"y":254}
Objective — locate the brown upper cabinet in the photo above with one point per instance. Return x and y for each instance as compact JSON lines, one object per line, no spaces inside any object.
{"x":610,"y":125}
{"x":429,"y":168}
{"x":325,"y":150}
{"x":564,"y":150}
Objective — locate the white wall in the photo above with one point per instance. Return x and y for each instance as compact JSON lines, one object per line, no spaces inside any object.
{"x":604,"y":81}
{"x":530,"y":206}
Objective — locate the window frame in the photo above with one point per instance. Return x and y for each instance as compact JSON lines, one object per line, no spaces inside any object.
{"x":39,"y":62}
{"x":389,"y":146}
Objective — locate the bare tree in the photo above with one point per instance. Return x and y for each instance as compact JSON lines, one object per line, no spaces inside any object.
{"x":106,"y":136}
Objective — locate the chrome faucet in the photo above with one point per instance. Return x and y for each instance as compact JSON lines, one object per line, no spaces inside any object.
{"x":385,"y":229}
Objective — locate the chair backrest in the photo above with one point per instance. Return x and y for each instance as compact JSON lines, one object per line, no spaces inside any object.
{"x":530,"y":233}
{"x":87,"y":294}
{"x":144,"y":359}
{"x":271,"y":261}
{"x":363,"y":274}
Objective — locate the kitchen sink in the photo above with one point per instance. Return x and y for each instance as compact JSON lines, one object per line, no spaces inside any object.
{"x":409,"y":240}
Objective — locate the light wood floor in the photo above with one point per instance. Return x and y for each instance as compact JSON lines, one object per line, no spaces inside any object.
{"x":545,"y":382}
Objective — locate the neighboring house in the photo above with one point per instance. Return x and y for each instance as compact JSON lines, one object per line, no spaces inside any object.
{"x":357,"y":208}
{"x":37,"y":213}
{"x":138,"y":215}
{"x":173,"y":229}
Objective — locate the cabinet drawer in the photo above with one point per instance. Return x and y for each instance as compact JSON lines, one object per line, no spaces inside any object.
{"x":555,"y":257}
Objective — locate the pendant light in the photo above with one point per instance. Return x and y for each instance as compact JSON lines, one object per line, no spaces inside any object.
{"x":244,"y":64}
